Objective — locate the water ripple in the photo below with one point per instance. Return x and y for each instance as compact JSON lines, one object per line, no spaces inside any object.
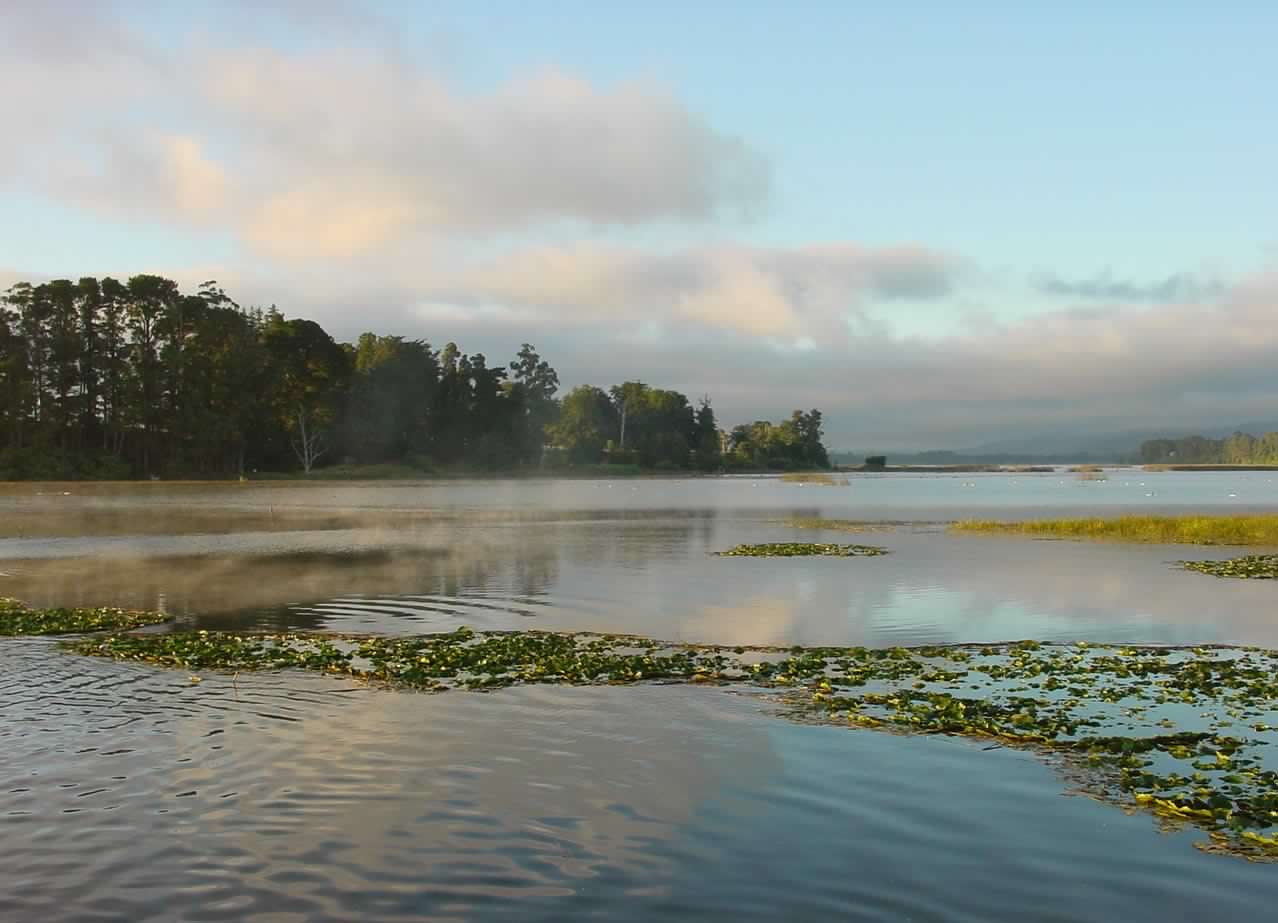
{"x":131,"y":793}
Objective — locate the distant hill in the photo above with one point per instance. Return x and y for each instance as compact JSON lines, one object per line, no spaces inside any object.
{"x":1057,"y":447}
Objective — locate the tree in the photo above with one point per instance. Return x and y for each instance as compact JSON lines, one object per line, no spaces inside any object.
{"x":150,"y":298}
{"x":794,"y":443}
{"x":587,"y":419}
{"x":106,"y":378}
{"x":11,"y":379}
{"x":387,"y":411}
{"x":708,"y":449}
{"x":534,"y":386}
{"x":311,"y":372}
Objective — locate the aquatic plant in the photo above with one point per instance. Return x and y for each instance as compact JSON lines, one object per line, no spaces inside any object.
{"x":800,"y":549}
{"x":1175,"y":731}
{"x":17,"y":619}
{"x":1169,"y":530}
{"x":1249,"y":567}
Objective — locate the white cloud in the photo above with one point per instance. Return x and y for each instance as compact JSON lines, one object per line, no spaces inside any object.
{"x":337,"y":148}
{"x":779,"y":292}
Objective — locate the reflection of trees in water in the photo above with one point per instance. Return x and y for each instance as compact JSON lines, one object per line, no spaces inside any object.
{"x":259,"y":589}
{"x":633,"y":538}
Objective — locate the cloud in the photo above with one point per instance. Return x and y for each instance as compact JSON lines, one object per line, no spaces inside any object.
{"x":775,"y":292}
{"x":167,"y":176}
{"x":333,"y":148}
{"x":336,"y":133}
{"x":1125,"y":367}
{"x":1180,"y":287}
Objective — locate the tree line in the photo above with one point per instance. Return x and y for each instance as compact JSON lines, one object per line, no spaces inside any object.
{"x":1238,"y":449}
{"x":107,"y":379}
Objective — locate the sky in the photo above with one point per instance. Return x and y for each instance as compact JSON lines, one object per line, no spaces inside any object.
{"x":941,"y":223}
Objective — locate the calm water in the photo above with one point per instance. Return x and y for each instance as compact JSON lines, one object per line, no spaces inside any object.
{"x":130,"y":793}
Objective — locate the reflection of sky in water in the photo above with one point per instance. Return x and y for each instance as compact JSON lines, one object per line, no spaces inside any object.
{"x":642,"y":565}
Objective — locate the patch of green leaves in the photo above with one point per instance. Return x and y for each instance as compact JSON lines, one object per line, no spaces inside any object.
{"x":17,"y":619}
{"x":1248,"y":567}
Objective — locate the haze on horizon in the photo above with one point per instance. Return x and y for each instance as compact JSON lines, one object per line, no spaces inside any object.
{"x":942,"y":224}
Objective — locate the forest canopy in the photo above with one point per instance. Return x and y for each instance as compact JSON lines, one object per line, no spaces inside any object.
{"x":107,"y":379}
{"x":1238,"y":449}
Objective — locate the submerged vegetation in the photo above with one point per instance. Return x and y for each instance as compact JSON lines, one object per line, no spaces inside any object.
{"x":800,"y":549}
{"x":17,"y":619}
{"x":1250,"y":567}
{"x":1169,"y":530}
{"x":1175,"y":731}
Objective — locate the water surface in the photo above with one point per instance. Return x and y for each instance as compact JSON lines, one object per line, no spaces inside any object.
{"x":132,"y":793}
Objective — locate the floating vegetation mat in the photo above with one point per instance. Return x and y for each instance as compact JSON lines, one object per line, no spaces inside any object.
{"x":1250,"y":567}
{"x":17,"y":619}
{"x":801,"y":549}
{"x":1179,"y":732}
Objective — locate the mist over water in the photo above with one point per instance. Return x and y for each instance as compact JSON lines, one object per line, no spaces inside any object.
{"x":128,"y":792}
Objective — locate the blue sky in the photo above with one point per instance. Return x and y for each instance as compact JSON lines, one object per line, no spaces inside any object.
{"x":1021,"y":217}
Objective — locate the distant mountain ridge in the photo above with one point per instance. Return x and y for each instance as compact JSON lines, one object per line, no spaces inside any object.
{"x":1060,"y":447}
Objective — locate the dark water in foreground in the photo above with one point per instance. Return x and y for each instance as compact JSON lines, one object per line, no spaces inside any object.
{"x":128,"y":793}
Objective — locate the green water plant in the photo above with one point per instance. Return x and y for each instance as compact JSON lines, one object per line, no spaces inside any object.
{"x":17,"y":619}
{"x":1169,"y":530}
{"x":1180,"y":732}
{"x":801,"y":549}
{"x":1249,"y":567}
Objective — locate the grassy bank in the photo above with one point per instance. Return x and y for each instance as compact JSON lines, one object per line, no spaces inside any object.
{"x":1163,"y":530}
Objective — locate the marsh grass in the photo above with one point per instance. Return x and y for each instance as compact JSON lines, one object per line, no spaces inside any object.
{"x":17,"y":619}
{"x":1163,"y":530}
{"x":1178,"y":732}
